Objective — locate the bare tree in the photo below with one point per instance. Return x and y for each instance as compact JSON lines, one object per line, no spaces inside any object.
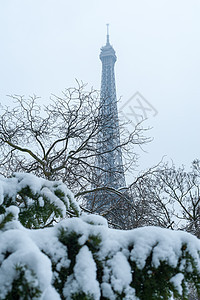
{"x":169,"y":197}
{"x":58,"y":141}
{"x":144,"y":203}
{"x":182,"y":189}
{"x":163,"y":196}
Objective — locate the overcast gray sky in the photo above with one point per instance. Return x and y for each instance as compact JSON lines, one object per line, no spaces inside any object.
{"x":46,"y":44}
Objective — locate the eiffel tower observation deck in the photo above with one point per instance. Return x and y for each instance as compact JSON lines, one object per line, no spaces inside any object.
{"x":109,"y":157}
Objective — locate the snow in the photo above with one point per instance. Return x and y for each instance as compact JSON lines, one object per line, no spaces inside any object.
{"x":25,"y":248}
{"x":121,"y":272}
{"x":53,"y":199}
{"x":84,"y":278}
{"x":47,"y":188}
{"x":22,"y":251}
{"x":177,"y":281}
{"x":14,"y":210}
{"x":42,"y":254}
{"x":8,"y":187}
{"x":50,"y":294}
{"x":118,"y":273}
{"x":94,"y":219}
{"x":42,"y":189}
{"x":164,"y":244}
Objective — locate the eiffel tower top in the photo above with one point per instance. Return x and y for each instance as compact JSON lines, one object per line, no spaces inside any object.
{"x":107,"y":50}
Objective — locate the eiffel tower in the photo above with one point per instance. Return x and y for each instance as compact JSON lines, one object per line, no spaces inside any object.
{"x":109,"y":159}
{"x":109,"y":165}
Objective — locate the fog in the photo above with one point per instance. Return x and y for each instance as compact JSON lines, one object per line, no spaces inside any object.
{"x":46,"y":44}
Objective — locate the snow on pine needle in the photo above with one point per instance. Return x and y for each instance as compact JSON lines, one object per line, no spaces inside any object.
{"x":40,"y":201}
{"x":80,"y":257}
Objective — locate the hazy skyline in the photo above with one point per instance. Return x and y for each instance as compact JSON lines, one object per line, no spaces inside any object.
{"x":46,"y":44}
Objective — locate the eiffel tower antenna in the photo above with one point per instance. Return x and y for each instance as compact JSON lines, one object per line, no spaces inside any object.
{"x":107,"y":34}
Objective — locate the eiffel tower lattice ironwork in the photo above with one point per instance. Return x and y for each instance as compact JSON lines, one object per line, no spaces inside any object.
{"x":109,"y":159}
